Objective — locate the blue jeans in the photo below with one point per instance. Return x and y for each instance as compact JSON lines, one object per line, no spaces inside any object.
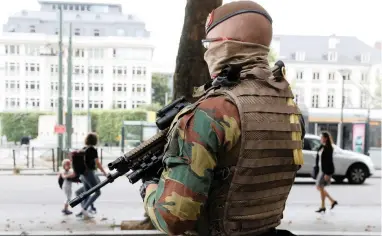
{"x":89,"y":179}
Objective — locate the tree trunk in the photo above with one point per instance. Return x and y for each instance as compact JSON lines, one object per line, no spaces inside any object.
{"x":191,"y":70}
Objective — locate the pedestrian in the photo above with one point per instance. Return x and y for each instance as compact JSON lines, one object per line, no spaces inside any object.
{"x":324,"y":162}
{"x":231,"y":157}
{"x":67,"y":174}
{"x":89,"y":178}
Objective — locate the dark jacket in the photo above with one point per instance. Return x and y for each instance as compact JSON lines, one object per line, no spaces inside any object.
{"x":327,"y":165}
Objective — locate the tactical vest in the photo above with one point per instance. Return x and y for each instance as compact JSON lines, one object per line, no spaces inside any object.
{"x":252,"y":181}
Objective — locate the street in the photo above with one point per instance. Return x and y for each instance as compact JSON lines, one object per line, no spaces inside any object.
{"x":34,"y":203}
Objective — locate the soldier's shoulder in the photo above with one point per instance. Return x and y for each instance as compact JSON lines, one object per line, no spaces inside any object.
{"x":219,"y":106}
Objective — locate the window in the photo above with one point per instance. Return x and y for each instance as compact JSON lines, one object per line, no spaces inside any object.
{"x":12,"y":85}
{"x":316,"y":76}
{"x":96,"y":88}
{"x":71,"y":7}
{"x":79,"y":53}
{"x":332,"y":56}
{"x":32,"y":68}
{"x":119,"y":71}
{"x":77,"y":32}
{"x":96,"y":104}
{"x":79,"y":70}
{"x":32,"y":102}
{"x":331,"y":93}
{"x":300,"y":56}
{"x":365,"y":58}
{"x":138,"y":104}
{"x":96,"y":53}
{"x":96,"y":32}
{"x":299,"y":96}
{"x":346,"y":76}
{"x":12,"y":68}
{"x":364,"y":76}
{"x":82,"y":8}
{"x":79,"y":87}
{"x":311,"y":144}
{"x":120,"y":32}
{"x":96,"y":71}
{"x":119,"y":88}
{"x":12,"y":102}
{"x":53,"y":103}
{"x":32,"y":29}
{"x":348,"y":98}
{"x":79,"y":103}
{"x":315,"y":98}
{"x":32,"y":50}
{"x":12,"y":49}
{"x":363,"y":102}
{"x":120,"y":104}
{"x":331,"y":76}
{"x":32,"y":85}
{"x":299,"y":74}
{"x":77,"y":8}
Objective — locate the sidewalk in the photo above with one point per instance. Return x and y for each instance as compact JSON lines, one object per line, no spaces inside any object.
{"x":30,"y":171}
{"x":300,"y":220}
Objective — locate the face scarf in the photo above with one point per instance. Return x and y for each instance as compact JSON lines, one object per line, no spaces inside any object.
{"x":246,"y":55}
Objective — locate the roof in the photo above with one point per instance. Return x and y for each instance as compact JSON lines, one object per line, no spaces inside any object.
{"x":316,"y":48}
{"x":85,"y":2}
{"x":45,"y":16}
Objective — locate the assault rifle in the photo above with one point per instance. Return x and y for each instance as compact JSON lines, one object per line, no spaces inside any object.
{"x":144,"y":159}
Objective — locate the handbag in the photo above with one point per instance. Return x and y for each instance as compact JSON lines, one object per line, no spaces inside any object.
{"x":315,"y":172}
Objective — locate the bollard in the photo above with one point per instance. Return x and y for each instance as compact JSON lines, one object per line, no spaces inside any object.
{"x":53,"y":158}
{"x":27,"y":156}
{"x":14,"y":158}
{"x":32,"y":157}
{"x":101,"y":156}
{"x":58,"y":159}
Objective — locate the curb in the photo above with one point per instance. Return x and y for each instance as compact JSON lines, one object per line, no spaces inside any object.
{"x":157,"y":233}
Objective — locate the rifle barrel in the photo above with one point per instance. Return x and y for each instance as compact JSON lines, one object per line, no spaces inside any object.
{"x":110,"y":178}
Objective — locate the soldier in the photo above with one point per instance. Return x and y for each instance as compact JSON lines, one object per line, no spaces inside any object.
{"x":232,"y":156}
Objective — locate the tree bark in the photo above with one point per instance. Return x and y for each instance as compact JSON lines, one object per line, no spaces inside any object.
{"x":191,"y":70}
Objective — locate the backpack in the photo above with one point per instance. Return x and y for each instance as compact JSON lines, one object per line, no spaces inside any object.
{"x":60,"y":181}
{"x":78,"y":162}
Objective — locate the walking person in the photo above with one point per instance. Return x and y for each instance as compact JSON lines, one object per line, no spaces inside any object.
{"x":66,"y":175}
{"x":324,"y":162}
{"x":89,"y":178}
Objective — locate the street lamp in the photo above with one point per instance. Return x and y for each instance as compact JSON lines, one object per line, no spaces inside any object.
{"x":343,"y":73}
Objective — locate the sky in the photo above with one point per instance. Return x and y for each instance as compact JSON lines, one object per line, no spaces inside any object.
{"x":164,"y":19}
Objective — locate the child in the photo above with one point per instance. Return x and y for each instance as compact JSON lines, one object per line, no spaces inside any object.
{"x":67,"y":185}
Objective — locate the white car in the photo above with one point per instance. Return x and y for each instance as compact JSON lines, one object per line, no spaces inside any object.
{"x":356,"y":167}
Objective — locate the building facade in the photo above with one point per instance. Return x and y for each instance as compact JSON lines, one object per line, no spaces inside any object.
{"x":111,"y":68}
{"x":323,"y":70}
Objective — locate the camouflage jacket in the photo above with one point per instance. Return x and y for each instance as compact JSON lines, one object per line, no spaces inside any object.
{"x":177,"y":204}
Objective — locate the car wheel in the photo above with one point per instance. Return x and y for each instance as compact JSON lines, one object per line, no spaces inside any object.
{"x":339,"y":179}
{"x":357,"y":174}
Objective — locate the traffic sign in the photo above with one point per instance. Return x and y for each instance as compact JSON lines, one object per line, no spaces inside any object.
{"x":59,"y":129}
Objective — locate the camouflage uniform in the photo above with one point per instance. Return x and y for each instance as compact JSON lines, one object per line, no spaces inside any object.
{"x":183,"y":189}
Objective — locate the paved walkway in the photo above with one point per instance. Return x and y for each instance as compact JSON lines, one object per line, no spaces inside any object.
{"x":32,"y":204}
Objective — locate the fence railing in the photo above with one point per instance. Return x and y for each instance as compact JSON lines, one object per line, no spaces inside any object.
{"x":45,"y":159}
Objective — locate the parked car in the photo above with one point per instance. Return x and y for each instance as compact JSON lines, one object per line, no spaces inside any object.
{"x":350,"y":165}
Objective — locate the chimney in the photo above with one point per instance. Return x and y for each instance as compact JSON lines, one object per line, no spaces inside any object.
{"x":378,"y":45}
